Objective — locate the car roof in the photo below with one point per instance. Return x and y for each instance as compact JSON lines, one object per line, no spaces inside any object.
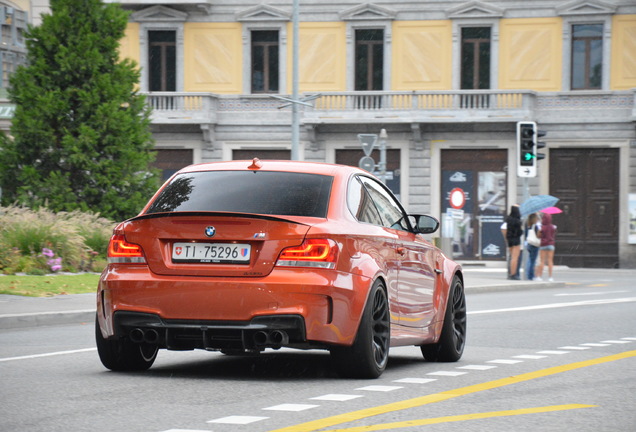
{"x":275,"y":165}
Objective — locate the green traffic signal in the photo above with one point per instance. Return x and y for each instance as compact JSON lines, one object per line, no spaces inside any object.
{"x":528,"y":156}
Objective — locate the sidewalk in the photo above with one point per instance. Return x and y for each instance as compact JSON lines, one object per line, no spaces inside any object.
{"x":18,"y":311}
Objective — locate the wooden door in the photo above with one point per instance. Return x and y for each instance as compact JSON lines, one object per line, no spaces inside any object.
{"x":586,"y":182}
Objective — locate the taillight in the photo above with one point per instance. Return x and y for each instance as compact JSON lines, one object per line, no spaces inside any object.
{"x":321,"y":253}
{"x":122,"y":252}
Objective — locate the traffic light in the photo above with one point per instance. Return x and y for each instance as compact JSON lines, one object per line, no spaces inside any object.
{"x":527,"y":146}
{"x":539,"y":144}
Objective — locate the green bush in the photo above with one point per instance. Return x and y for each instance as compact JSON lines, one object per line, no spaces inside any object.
{"x":40,"y":241}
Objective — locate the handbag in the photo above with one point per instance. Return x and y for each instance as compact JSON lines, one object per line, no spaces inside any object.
{"x":532,"y":238}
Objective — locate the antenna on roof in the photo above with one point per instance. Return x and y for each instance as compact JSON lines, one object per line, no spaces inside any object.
{"x":256,"y":164}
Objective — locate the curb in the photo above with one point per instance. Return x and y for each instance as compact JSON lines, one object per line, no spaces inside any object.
{"x":38,"y":319}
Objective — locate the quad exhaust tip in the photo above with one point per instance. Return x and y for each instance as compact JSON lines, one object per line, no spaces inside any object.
{"x":274,"y":339}
{"x":138,"y":335}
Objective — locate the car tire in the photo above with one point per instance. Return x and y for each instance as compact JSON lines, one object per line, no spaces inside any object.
{"x":450,"y":346}
{"x":369,"y":354}
{"x":121,"y":355}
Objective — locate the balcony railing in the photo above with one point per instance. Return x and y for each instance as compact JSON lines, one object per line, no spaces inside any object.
{"x":456,"y":100}
{"x":411,"y":107}
{"x":171,"y":107}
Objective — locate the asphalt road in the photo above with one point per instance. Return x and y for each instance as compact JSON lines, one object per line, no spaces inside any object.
{"x":552,"y":359}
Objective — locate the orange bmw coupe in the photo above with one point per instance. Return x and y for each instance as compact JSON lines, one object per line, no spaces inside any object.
{"x":243,"y":256}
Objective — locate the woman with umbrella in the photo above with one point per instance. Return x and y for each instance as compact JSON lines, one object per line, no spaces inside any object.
{"x":512,"y":230}
{"x":546,"y":250}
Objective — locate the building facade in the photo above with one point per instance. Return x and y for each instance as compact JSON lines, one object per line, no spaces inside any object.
{"x":447,"y":80}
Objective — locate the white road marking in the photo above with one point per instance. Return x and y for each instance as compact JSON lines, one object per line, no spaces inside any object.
{"x":415,"y":380}
{"x":291,"y":407}
{"x":447,"y":373}
{"x":589,"y":293}
{"x":47,"y":354}
{"x":477,"y":367}
{"x":186,"y":430}
{"x":380,"y":388}
{"x":237,"y":420}
{"x":505,"y":361}
{"x":337,"y":397}
{"x":555,"y":305}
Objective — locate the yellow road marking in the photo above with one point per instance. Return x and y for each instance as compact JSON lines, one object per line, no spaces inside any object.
{"x":456,"y":418}
{"x":316,"y":425}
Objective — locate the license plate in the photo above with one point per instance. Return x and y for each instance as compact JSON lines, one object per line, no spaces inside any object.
{"x":226,"y":253}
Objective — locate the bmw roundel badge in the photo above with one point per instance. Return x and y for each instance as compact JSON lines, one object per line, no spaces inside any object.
{"x":210,"y":231}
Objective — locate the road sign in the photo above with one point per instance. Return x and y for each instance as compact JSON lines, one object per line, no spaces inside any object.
{"x":368,"y":142}
{"x":367,"y":163}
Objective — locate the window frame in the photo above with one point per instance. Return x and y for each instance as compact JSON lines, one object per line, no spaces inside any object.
{"x":587,"y":57}
{"x":460,"y":23}
{"x":352,"y":27}
{"x":267,"y":46}
{"x":369,"y":46}
{"x":248,"y":28}
{"x":568,"y":22}
{"x":477,"y":42}
{"x":160,"y":18}
{"x":163,"y":61}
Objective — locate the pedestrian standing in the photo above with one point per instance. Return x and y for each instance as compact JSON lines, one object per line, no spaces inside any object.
{"x":546,"y":250}
{"x":533,"y":241}
{"x":512,"y":230}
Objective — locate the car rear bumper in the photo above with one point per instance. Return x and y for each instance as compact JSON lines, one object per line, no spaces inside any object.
{"x":273,"y":331}
{"x":326,"y":307}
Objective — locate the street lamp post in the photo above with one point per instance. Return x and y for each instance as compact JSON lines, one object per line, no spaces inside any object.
{"x":295,"y":112}
{"x":382,"y":164}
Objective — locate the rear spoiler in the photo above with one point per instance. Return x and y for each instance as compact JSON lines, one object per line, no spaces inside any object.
{"x":214,"y":214}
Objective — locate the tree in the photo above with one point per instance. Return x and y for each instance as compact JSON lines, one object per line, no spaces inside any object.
{"x":81,"y":132}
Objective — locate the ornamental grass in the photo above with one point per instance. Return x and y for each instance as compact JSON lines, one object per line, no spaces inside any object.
{"x":38,"y":242}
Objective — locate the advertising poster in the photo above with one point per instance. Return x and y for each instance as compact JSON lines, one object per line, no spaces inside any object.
{"x":492,"y":210}
{"x":473,"y":209}
{"x":457,"y":212}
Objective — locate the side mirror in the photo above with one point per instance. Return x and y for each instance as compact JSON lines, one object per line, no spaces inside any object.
{"x":425,"y":224}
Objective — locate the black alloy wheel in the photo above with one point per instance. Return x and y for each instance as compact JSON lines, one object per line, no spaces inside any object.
{"x":122,"y":355}
{"x":452,"y":341}
{"x":369,"y":354}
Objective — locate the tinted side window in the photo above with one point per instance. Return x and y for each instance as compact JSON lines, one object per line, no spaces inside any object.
{"x":390,"y":211}
{"x":262,"y":192}
{"x":361,"y":205}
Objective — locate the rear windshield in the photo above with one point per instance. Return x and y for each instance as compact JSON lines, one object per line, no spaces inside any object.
{"x":261,"y":192}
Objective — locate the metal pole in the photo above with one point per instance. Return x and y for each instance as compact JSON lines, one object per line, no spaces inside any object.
{"x":295,"y":112}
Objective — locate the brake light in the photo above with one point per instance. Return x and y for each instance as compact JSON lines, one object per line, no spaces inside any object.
{"x":321,"y":253}
{"x":122,"y":252}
